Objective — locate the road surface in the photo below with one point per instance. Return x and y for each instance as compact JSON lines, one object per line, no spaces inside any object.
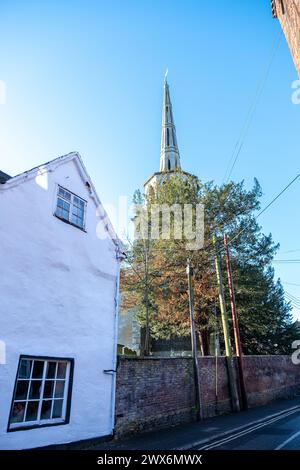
{"x":270,"y":427}
{"x":276,"y":433}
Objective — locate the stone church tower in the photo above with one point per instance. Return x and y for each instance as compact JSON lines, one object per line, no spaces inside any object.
{"x":130,"y":333}
{"x":288,"y":14}
{"x":169,"y":152}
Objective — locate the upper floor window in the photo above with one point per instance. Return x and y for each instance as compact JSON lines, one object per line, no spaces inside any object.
{"x":70,"y":208}
{"x":42,"y":392}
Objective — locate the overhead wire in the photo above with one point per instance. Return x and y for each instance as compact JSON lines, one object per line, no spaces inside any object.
{"x":251,"y":112}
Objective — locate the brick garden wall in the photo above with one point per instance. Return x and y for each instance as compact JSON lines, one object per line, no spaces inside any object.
{"x":269,"y":378}
{"x":154,"y":393}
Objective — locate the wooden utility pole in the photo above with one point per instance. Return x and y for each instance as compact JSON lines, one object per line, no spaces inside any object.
{"x":224,"y":318}
{"x":217,"y":354}
{"x":147,"y":306}
{"x":190,"y":273}
{"x":236,"y":329}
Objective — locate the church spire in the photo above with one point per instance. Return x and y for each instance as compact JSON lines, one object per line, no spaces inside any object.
{"x":169,"y":154}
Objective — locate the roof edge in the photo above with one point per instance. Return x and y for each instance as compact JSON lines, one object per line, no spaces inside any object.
{"x":4,"y":177}
{"x":76,"y":157}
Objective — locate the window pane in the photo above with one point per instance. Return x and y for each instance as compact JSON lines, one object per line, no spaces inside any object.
{"x":51,"y":368}
{"x":59,"y":212}
{"x":18,"y":412}
{"x":70,"y":208}
{"x":63,"y":209}
{"x":78,"y":202}
{"x":63,"y":204}
{"x":39,"y":396}
{"x":77,"y":211}
{"x":22,"y":389}
{"x":35,"y":389}
{"x":46,"y":409}
{"x":25,"y":369}
{"x":60,"y":203}
{"x":57,"y":409}
{"x":48,"y":390}
{"x":59,"y":389}
{"x":38,"y":368}
{"x":65,"y":215}
{"x":77,"y":221}
{"x":66,"y":206}
{"x":61,"y":370}
{"x":65,"y":194}
{"x":32,"y":411}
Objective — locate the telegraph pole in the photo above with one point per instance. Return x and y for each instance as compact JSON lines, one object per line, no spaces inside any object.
{"x":147,"y":306}
{"x":236,"y":329}
{"x":190,"y":273}
{"x":224,"y":318}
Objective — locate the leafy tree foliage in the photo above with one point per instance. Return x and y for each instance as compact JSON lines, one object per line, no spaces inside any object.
{"x":157,"y":268}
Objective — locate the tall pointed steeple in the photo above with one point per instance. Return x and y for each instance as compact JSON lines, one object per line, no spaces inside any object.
{"x":169,"y":154}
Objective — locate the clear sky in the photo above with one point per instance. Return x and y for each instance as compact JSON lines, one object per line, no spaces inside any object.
{"x":88,"y":76}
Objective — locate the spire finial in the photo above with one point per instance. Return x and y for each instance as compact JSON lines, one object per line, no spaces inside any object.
{"x":166,"y":75}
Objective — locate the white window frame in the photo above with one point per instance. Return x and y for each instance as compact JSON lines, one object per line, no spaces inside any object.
{"x":71,"y":203}
{"x":39,"y":422}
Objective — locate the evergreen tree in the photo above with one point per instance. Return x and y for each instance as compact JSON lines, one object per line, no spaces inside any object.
{"x":264,"y":315}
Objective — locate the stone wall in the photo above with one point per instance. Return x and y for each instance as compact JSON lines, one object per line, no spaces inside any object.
{"x":288,"y":13}
{"x":154,"y":393}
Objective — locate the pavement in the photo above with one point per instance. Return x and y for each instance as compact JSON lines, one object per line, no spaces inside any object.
{"x":270,"y":427}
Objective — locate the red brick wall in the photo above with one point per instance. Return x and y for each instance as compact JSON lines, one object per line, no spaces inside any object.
{"x":270,"y":377}
{"x":153,"y":393}
{"x":288,"y":14}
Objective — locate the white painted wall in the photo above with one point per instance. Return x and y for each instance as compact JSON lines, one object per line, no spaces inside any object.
{"x":58,"y":288}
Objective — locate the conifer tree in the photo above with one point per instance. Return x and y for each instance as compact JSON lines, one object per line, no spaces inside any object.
{"x":264,"y":315}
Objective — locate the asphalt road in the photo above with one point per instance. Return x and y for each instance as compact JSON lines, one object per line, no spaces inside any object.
{"x":280,"y":433}
{"x":265,"y":428}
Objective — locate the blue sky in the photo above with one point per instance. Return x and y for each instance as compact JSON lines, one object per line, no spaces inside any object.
{"x":88,"y":76}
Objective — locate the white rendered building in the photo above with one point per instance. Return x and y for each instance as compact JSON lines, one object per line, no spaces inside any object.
{"x":59,"y":287}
